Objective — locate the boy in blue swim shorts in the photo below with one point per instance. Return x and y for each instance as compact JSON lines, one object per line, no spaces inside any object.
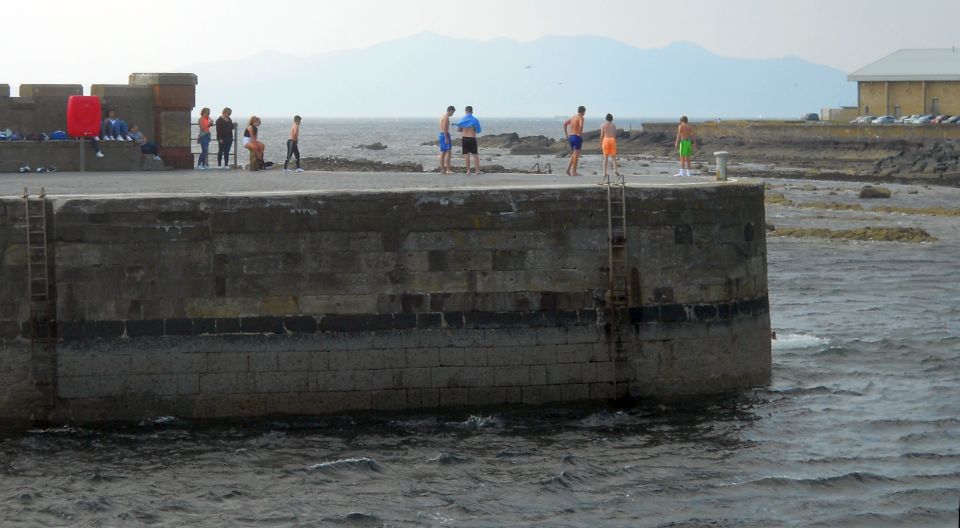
{"x":443,"y":139}
{"x":575,"y":138}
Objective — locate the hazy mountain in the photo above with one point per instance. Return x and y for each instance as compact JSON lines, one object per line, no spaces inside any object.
{"x":422,"y":74}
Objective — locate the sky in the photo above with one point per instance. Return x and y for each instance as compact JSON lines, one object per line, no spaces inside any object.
{"x":59,"y":41}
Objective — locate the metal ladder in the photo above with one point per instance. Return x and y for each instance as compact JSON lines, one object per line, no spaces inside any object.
{"x":618,"y":289}
{"x":43,"y":312}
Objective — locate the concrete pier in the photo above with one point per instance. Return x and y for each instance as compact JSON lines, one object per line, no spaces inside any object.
{"x":242,"y":294}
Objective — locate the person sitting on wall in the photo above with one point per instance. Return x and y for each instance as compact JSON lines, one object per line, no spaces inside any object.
{"x":145,"y":146}
{"x":114,"y":128}
{"x":251,"y":143}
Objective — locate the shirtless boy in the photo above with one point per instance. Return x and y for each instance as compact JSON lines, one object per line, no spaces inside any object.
{"x":608,"y":141}
{"x":446,"y":145}
{"x":293,"y":145}
{"x":470,"y":127}
{"x":575,"y":138}
{"x":684,"y":144}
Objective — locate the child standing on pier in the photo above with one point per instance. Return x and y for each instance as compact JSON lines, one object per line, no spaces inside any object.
{"x":608,"y":142}
{"x":684,"y":144}
{"x":293,"y":142}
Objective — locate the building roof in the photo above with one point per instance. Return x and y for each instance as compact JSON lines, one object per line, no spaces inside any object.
{"x":913,"y":65}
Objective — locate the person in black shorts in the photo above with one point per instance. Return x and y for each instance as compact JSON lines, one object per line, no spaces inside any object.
{"x":470,"y":127}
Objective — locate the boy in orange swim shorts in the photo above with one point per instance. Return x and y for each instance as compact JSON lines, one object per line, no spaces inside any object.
{"x":608,"y":141}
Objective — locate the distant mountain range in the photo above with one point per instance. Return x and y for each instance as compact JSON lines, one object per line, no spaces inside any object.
{"x":422,"y":74}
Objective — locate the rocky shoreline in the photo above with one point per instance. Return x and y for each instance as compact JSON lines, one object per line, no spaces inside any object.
{"x":816,"y":157}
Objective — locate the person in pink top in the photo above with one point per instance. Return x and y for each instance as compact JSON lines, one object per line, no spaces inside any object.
{"x":204,"y":139}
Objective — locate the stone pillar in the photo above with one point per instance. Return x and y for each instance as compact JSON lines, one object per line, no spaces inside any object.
{"x":134,"y":104}
{"x":174,"y":96}
{"x":49,"y":106}
{"x":5,"y":104}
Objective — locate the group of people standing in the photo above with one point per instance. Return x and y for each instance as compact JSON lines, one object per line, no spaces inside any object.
{"x":225,"y":126}
{"x":469,"y":126}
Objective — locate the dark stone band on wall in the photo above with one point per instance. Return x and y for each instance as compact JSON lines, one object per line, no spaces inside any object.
{"x":351,"y":323}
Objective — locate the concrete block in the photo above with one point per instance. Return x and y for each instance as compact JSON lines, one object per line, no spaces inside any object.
{"x":442,"y":377}
{"x":504,"y":356}
{"x":381,"y":379}
{"x":327,"y":381}
{"x":394,"y":359}
{"x":221,"y":362}
{"x":487,"y":395}
{"x":412,"y":378}
{"x":295,"y":361}
{"x":539,"y":395}
{"x":389,"y":400}
{"x":283,"y":381}
{"x":356,"y":401}
{"x":426,"y":357}
{"x":262,"y":361}
{"x":187,"y":384}
{"x":575,"y":392}
{"x":551,"y":336}
{"x":512,"y":376}
{"x":541,"y":355}
{"x":230,"y":405}
{"x":356,"y":360}
{"x":538,"y":374}
{"x":338,"y":304}
{"x":603,"y":391}
{"x":453,"y":397}
{"x":578,"y":353}
{"x":564,"y":374}
{"x":219,"y":383}
{"x":151,"y":363}
{"x":452,"y":357}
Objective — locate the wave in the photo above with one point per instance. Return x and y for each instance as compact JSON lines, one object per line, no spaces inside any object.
{"x":795,"y":341}
{"x":564,"y":481}
{"x":847,"y":480}
{"x":479,"y":422}
{"x":449,"y":459}
{"x":348,"y":465}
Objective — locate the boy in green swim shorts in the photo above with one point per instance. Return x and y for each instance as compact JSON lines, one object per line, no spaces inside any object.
{"x":684,"y":144}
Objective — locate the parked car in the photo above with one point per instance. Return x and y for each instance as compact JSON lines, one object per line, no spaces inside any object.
{"x":884,"y":120}
{"x":811,"y":117}
{"x":923,"y":120}
{"x":862,"y":120}
{"x":940,"y":119}
{"x":954,"y":119}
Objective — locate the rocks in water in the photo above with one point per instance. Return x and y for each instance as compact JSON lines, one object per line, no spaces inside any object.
{"x":534,"y":145}
{"x":503,"y":141}
{"x":372,"y":146}
{"x":871,"y":192}
{"x":867,"y":234}
{"x":337,"y":163}
{"x":929,"y":160}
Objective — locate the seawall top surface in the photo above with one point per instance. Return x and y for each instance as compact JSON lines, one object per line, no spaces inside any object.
{"x":67,"y":185}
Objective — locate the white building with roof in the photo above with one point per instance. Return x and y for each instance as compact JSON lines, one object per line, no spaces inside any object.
{"x":910,"y":81}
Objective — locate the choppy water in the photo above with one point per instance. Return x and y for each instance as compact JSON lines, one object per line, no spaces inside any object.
{"x":859,"y":427}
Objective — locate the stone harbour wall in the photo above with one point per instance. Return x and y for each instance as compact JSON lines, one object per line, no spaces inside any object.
{"x":342,"y":301}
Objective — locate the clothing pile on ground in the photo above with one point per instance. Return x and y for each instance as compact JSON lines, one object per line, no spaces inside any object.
{"x":11,"y":135}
